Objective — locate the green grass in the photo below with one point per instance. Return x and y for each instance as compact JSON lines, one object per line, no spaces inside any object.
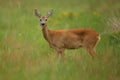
{"x":25,"y":55}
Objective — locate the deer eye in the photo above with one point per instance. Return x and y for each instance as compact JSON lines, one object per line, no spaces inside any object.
{"x":45,"y":19}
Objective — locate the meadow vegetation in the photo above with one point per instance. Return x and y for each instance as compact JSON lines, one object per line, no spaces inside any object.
{"x":25,"y":55}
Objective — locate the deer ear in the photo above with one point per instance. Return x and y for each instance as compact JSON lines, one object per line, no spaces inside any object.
{"x":37,"y":13}
{"x":50,"y":13}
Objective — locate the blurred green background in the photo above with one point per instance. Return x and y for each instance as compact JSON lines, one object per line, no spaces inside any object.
{"x":25,"y":55}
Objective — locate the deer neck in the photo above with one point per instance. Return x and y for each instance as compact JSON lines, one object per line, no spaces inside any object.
{"x":46,"y":33}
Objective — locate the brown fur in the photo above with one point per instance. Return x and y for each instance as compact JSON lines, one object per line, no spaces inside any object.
{"x":71,"y":39}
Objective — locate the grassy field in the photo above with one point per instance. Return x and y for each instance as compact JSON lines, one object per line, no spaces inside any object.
{"x":25,"y":55}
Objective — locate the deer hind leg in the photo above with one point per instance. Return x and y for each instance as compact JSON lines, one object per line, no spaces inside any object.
{"x":90,"y":47}
{"x":92,"y":52}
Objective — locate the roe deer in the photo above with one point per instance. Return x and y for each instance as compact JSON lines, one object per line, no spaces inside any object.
{"x":68,"y":39}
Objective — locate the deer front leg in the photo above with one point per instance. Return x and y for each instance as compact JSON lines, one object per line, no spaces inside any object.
{"x":60,"y":51}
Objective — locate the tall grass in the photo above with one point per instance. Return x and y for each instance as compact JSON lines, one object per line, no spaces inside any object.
{"x":25,"y":55}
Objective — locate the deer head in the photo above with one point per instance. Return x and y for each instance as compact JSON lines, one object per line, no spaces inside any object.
{"x":43,"y":19}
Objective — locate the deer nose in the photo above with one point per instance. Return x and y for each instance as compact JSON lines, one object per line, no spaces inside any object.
{"x":42,"y":24}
